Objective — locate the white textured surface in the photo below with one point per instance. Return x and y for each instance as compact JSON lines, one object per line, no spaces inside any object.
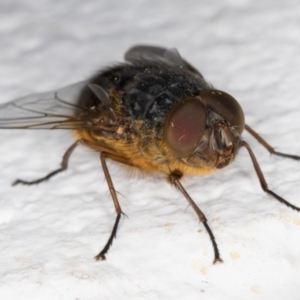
{"x":49,"y":233}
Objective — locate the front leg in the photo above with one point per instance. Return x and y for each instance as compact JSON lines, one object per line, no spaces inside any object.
{"x":174,"y":178}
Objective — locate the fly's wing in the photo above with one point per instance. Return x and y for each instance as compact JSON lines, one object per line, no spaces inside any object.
{"x":49,"y":110}
{"x":159,"y":54}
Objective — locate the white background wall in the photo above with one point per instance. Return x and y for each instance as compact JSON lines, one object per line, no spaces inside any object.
{"x":49,"y":233}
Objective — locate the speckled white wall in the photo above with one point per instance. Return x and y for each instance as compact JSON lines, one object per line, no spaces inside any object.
{"x":49,"y":233}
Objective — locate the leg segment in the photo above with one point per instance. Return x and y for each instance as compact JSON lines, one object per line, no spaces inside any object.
{"x":64,"y":164}
{"x":262,"y":180}
{"x":103,"y":157}
{"x":267,"y":146}
{"x":175,"y":180}
{"x":105,"y":153}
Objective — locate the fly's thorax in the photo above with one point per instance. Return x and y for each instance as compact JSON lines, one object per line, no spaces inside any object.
{"x":154,"y":89}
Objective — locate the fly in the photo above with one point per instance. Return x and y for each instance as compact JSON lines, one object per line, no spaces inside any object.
{"x":156,"y":113}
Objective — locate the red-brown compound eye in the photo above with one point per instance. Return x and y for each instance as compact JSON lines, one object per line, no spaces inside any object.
{"x":184,"y":126}
{"x":226,"y":106}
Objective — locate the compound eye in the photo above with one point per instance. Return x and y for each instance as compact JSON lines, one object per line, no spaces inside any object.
{"x":184,"y":126}
{"x":226,"y":106}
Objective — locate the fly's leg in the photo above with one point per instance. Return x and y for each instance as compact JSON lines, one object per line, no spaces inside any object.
{"x":103,"y":157}
{"x":64,"y":165}
{"x":64,"y":162}
{"x":174,"y":179}
{"x":262,"y":180}
{"x":105,"y":153}
{"x":269,"y":147}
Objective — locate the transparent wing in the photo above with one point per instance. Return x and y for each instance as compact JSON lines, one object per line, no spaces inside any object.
{"x":57,"y":109}
{"x":159,"y":54}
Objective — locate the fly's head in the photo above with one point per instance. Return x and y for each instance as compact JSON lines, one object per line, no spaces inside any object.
{"x":205,"y":129}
